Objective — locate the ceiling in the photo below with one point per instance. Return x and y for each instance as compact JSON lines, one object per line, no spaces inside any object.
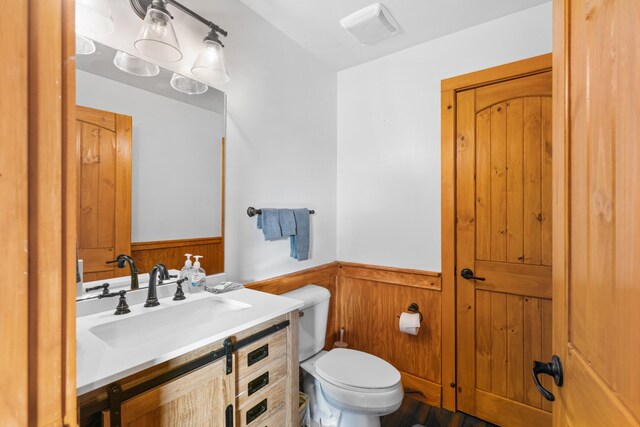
{"x":315,"y":25}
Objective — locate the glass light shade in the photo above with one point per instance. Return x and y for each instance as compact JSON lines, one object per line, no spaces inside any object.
{"x":93,"y":17}
{"x":186,"y":85}
{"x":134,"y":65}
{"x":157,"y":38}
{"x":210,"y":65}
{"x":84,"y":46}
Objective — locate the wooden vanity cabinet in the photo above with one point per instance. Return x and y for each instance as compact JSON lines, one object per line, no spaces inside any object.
{"x":256,"y":385}
{"x":199,"y":398}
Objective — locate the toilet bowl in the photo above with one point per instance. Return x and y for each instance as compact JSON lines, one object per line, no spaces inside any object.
{"x":347,"y":388}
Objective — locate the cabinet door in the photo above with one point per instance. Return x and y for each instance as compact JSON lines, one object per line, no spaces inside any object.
{"x":197,"y":399}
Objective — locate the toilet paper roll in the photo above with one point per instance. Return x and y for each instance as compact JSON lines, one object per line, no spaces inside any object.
{"x":409,"y":323}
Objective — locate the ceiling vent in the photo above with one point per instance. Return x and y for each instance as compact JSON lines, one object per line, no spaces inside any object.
{"x":371,"y":25}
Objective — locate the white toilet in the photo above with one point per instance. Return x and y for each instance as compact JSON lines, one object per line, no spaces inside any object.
{"x":347,"y":388}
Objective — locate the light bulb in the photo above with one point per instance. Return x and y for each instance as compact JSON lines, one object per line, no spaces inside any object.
{"x":210,"y":65}
{"x":157,"y":38}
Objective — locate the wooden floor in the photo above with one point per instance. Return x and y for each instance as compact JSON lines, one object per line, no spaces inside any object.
{"x":414,"y":412}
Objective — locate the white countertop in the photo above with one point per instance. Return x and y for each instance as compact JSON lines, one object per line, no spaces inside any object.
{"x":99,"y":364}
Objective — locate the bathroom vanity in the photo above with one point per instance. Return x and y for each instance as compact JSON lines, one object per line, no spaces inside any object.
{"x":237,"y":366}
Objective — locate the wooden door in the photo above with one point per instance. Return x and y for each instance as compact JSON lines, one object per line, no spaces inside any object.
{"x":104,"y":190}
{"x":199,"y":398}
{"x":503,"y":234}
{"x":596,"y":302}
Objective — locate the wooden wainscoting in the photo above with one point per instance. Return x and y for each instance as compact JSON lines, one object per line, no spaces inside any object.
{"x":366,"y":300}
{"x":369,"y":301}
{"x":171,"y":253}
{"x":324,"y":275}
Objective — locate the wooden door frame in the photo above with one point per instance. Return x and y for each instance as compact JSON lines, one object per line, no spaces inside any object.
{"x":38,"y":182}
{"x":449,"y":88}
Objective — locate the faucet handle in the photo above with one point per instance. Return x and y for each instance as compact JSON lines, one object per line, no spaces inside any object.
{"x":104,"y":287}
{"x":179,"y":295}
{"x":123,"y":307}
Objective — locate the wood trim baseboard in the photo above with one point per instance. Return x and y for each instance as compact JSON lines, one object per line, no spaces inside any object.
{"x":177,"y":243}
{"x":430,"y":392}
{"x":392,"y":275}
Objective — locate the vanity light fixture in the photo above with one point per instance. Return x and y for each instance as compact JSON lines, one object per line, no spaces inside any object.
{"x":93,"y":17}
{"x":84,"y":45}
{"x":186,"y":85}
{"x":210,"y":65}
{"x":133,"y":65}
{"x":157,"y":39}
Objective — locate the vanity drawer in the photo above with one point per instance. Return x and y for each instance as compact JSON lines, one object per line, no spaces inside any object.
{"x":261,"y":382}
{"x":256,"y":356}
{"x":262,"y":408}
{"x":274,"y":420}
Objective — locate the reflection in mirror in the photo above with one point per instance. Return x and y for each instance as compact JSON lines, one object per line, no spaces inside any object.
{"x":150,"y":165}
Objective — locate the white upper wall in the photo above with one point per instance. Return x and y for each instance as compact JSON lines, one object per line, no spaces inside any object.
{"x":281,"y":144}
{"x":388,"y":183}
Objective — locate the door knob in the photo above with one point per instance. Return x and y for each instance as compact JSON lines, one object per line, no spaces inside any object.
{"x":554,"y":368}
{"x":467,"y":273}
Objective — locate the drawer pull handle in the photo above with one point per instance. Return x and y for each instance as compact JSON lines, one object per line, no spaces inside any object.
{"x":256,"y":411}
{"x":258,"y":383}
{"x":258,"y":354}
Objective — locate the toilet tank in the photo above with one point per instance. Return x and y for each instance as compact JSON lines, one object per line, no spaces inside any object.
{"x":313,"y":319}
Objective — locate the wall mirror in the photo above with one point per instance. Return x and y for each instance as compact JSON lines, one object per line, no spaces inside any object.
{"x":150,"y":164}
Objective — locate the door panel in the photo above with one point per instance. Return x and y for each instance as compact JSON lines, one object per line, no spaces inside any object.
{"x":104,"y":190}
{"x":597,"y":293}
{"x":503,"y":235}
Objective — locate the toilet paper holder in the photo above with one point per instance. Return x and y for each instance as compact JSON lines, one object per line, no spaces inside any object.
{"x":413,"y":308}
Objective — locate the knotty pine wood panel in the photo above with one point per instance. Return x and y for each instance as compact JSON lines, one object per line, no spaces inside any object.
{"x":512,"y":332}
{"x":513,"y":181}
{"x":171,"y":253}
{"x":515,"y":194}
{"x":324,"y":275}
{"x":532,"y":181}
{"x":537,"y":85}
{"x":483,"y":184}
{"x":498,"y":203}
{"x":368,"y":311}
{"x":366,"y":301}
{"x":391,"y":275}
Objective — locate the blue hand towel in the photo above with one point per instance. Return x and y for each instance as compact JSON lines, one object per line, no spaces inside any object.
{"x":287,"y":222}
{"x":269,"y":222}
{"x":300,"y":241}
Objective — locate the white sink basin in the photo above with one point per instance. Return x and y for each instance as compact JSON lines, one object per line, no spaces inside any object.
{"x":110,"y":347}
{"x":167,"y":328}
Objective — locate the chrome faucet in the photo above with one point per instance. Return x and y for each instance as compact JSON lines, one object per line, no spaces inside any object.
{"x":157,"y":274}
{"x":123,"y":260}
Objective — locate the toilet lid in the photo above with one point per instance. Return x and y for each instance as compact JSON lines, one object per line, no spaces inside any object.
{"x":356,"y":369}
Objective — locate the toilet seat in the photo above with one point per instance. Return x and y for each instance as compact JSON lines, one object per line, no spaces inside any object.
{"x":357,"y":371}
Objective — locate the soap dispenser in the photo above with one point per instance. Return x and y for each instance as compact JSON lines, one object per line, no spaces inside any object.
{"x":187,"y":270}
{"x":198,"y":276}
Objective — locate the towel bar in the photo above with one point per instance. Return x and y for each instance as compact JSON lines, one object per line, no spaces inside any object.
{"x":251,"y":211}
